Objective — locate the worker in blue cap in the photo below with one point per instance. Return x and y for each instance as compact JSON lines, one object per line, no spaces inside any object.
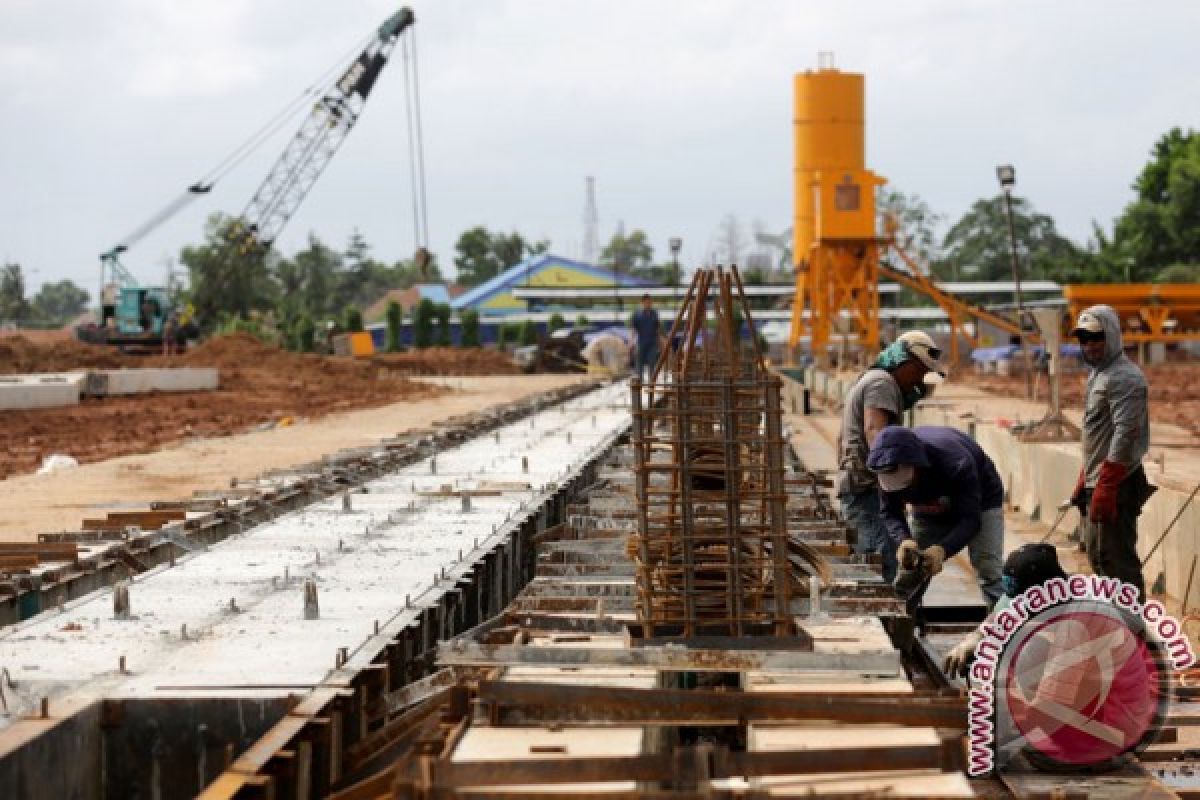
{"x":956,"y":498}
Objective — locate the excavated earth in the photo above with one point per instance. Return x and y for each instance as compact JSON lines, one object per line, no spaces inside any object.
{"x":260,"y":385}
{"x":1174,"y":391}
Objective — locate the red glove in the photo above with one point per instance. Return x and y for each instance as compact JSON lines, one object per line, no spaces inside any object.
{"x":1104,"y":496}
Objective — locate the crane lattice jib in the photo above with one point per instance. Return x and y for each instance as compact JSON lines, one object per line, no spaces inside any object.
{"x":314,"y":145}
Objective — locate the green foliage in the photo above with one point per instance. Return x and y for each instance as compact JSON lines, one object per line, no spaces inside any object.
{"x":481,"y":254}
{"x":225,"y":277}
{"x":627,"y":253}
{"x":977,"y":246}
{"x":423,"y":323}
{"x":508,"y":333}
{"x":59,"y":302}
{"x":395,"y":319}
{"x":529,"y":333}
{"x":556,"y":321}
{"x":502,"y":336}
{"x":305,"y":333}
{"x":354,"y":320}
{"x":582,"y":321}
{"x":469,"y":335}
{"x":1179,"y":273}
{"x":442,"y":315}
{"x":13,"y":305}
{"x":1159,"y":228}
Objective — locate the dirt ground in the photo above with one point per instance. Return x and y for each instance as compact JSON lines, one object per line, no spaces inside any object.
{"x":1174,"y":391}
{"x":260,"y":386}
{"x":32,"y":504}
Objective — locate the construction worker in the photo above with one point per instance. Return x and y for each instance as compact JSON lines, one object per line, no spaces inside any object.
{"x":647,"y":327}
{"x":956,"y":497}
{"x":880,"y":396}
{"x":1112,"y":486}
{"x":1029,"y":565}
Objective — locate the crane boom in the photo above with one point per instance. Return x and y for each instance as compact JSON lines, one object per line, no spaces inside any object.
{"x":319,"y":137}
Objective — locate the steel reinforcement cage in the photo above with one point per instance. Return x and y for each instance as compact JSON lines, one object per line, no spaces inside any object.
{"x":711,"y":547}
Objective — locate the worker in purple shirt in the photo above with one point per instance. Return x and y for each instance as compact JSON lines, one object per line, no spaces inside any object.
{"x":647,"y":328}
{"x":955,"y":495}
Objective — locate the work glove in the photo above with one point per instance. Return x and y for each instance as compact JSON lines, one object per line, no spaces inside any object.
{"x":1077,"y":494}
{"x":1104,"y":496}
{"x":935,"y":557}
{"x":907,"y":553}
{"x":958,"y":660}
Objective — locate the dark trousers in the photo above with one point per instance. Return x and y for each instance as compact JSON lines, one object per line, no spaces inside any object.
{"x":1112,"y":546}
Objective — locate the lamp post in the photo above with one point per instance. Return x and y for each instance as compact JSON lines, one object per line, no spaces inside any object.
{"x":676,"y":244}
{"x":1007,"y":176}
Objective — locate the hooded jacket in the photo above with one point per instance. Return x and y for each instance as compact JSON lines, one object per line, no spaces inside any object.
{"x":1116,"y":420}
{"x":955,"y":482}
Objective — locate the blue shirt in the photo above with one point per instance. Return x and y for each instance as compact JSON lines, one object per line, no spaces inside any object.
{"x":645,"y":324}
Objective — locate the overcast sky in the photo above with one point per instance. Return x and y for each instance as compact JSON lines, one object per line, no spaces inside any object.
{"x":681,"y":110}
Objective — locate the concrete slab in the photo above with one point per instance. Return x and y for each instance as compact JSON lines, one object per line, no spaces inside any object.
{"x":105,"y":382}
{"x":48,"y":390}
{"x":242,"y":600}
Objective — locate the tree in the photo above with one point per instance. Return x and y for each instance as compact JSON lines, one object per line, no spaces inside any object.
{"x":13,"y":305}
{"x":481,"y":255}
{"x":730,"y":242}
{"x":354,"y":320}
{"x":441,"y":313}
{"x":423,"y":323}
{"x":529,"y":333}
{"x":59,"y":302}
{"x":627,"y":253}
{"x":319,"y":266}
{"x":582,"y":321}
{"x":977,"y":246}
{"x":226,"y":279}
{"x":914,"y":223}
{"x":1160,"y":227}
{"x":1179,"y":273}
{"x":305,"y":333}
{"x":469,"y":337}
{"x":395,"y":318}
{"x":556,"y":321}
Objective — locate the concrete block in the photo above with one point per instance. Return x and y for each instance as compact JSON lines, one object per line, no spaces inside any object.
{"x":137,"y":381}
{"x":50,"y":390}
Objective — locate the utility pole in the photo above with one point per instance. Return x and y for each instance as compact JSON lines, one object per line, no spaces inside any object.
{"x":1008,"y":178}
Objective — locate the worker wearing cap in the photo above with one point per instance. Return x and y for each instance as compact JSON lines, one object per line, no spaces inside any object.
{"x":1112,"y":486}
{"x":1028,"y":566}
{"x":893,"y":384}
{"x":955,"y":495}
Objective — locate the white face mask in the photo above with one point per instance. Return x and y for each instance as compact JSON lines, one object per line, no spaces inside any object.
{"x":898,"y":479}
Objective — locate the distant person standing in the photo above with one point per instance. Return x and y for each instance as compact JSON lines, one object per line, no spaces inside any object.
{"x":1112,"y":486}
{"x":647,"y":327}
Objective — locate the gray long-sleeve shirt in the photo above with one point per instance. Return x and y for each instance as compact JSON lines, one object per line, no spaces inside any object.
{"x":1116,"y":419}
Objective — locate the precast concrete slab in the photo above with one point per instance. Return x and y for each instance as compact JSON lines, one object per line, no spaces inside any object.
{"x":231,"y":618}
{"x":105,"y":382}
{"x":48,"y":390}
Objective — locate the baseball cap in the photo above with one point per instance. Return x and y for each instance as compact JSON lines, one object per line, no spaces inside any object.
{"x":1088,"y":322}
{"x":1031,"y":565}
{"x":922,"y":346}
{"x":897,"y":478}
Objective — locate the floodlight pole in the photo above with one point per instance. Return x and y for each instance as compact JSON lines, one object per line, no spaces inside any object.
{"x":1008,"y":178}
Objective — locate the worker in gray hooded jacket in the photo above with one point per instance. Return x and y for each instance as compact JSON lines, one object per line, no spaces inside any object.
{"x":1112,"y":486}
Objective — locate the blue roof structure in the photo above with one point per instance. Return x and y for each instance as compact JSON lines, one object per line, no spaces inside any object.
{"x":520,"y":273}
{"x":436,"y":292}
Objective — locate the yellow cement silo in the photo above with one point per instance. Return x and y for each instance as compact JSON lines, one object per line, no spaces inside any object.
{"x":836,"y":245}
{"x":829,"y":131}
